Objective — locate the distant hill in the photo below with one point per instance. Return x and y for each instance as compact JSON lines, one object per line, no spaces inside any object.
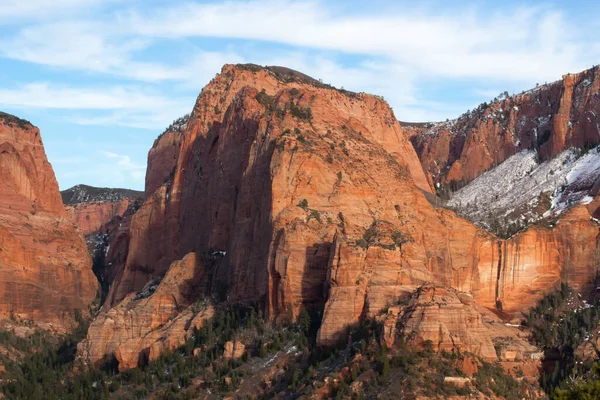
{"x":89,"y":194}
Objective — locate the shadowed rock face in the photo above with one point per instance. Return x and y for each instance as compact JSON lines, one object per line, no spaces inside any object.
{"x":315,"y":198}
{"x":45,"y":270}
{"x":162,"y":157}
{"x":550,"y":118}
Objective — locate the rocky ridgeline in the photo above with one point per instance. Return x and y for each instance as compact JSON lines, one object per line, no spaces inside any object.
{"x":88,"y":194}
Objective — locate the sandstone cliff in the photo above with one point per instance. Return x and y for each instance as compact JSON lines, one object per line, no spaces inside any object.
{"x":91,"y":208}
{"x":45,"y":270}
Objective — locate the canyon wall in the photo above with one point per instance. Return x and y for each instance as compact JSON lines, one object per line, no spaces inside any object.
{"x":45,"y":269}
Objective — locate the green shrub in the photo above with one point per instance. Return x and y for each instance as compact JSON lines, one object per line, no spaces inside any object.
{"x":303,"y":204}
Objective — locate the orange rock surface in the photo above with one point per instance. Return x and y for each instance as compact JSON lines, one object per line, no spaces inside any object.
{"x":91,"y":217}
{"x":45,"y":269}
{"x":143,"y":326}
{"x":452,"y":321}
{"x":535,"y":261}
{"x":234,"y":350}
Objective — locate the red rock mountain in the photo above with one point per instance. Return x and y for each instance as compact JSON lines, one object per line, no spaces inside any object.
{"x":45,"y":269}
{"x":296,"y":195}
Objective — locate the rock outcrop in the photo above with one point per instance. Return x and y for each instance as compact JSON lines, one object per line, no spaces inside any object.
{"x":234,"y":350}
{"x":157,"y":319}
{"x":453,"y":321}
{"x":550,"y":119}
{"x":45,"y":269}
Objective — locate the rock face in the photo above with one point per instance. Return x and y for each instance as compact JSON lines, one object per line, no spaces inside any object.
{"x":452,"y":321}
{"x":535,"y":261}
{"x":91,"y":208}
{"x":103,"y":215}
{"x":45,"y":270}
{"x":234,"y":350}
{"x":549,"y":118}
{"x":162,"y":158}
{"x":314,"y":198}
{"x":144,"y":325}
{"x":91,"y":217}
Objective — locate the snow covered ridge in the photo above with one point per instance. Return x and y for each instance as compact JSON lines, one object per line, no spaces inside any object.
{"x":522,"y":190}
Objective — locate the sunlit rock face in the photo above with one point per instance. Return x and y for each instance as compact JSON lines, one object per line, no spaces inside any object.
{"x":45,"y":269}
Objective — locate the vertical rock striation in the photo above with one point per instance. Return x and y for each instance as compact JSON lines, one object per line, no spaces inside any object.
{"x":45,"y":269}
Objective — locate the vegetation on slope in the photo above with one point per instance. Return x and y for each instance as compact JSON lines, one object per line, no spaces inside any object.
{"x":89,"y":194}
{"x":559,"y":323}
{"x":280,"y":361}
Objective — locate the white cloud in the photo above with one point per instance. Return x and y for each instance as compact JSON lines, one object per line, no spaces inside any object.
{"x":520,"y":44}
{"x":394,"y":53}
{"x":98,"y":47}
{"x":49,"y":95}
{"x":109,"y":106}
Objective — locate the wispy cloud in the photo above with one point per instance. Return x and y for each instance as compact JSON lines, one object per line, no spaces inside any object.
{"x":517,"y":44}
{"x":399,"y":51}
{"x":125,"y":164}
{"x":97,"y":65}
{"x":115,"y":105}
{"x":50,"y":95}
{"x":98,"y":47}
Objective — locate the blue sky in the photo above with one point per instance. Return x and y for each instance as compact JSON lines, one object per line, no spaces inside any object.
{"x":102,"y":78}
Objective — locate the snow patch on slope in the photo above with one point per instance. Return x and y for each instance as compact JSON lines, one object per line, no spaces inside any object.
{"x":522,"y":190}
{"x":580,"y":181}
